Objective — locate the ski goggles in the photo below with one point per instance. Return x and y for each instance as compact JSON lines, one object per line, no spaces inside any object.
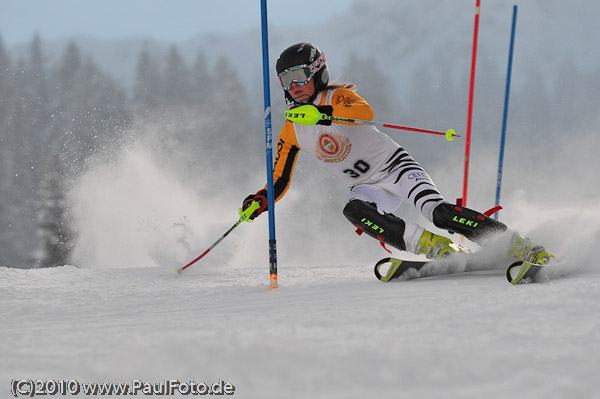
{"x":300,"y":74}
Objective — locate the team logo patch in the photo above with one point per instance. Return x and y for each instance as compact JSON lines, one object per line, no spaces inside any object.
{"x":332,"y":147}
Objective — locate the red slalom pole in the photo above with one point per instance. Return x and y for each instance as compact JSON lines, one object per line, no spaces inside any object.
{"x":411,"y":129}
{"x":449,"y":134}
{"x":470,"y":117}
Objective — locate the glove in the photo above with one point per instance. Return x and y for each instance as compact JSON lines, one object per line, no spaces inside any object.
{"x":261,"y":198}
{"x":327,"y":110}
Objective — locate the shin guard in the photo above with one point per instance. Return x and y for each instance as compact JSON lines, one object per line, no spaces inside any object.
{"x":472,"y":224}
{"x":386,"y":228}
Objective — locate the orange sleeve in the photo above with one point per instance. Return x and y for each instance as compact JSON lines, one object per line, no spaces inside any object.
{"x":347,"y":104}
{"x":285,"y":160}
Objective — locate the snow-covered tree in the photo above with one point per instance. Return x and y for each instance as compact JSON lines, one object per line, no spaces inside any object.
{"x":201,"y":81}
{"x":177,"y":88}
{"x":54,"y":226}
{"x":147,"y":88}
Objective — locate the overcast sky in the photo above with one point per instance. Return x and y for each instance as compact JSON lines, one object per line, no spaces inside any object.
{"x":161,"y":19}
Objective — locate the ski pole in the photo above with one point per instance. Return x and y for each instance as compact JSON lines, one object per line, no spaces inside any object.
{"x":310,"y":115}
{"x":244,"y":217}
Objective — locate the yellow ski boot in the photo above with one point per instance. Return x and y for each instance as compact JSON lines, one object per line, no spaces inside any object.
{"x":523,"y":249}
{"x":436,"y":247}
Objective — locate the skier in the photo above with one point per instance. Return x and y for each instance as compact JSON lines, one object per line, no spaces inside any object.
{"x":380,"y":173}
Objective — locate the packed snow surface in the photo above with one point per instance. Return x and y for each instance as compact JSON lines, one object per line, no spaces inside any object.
{"x":326,"y":332}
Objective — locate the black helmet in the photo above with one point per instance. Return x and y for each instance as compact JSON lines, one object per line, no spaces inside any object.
{"x":309,"y":56}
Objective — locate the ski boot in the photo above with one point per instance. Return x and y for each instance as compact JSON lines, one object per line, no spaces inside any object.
{"x":522,"y":249}
{"x":437,"y":247}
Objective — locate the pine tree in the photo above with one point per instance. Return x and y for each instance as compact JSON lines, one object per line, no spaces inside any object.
{"x":6,"y":86}
{"x":35,"y":93}
{"x":89,"y":109}
{"x":54,"y":226}
{"x":8,"y":156}
{"x":147,"y":88}
{"x":201,"y":81}
{"x":177,"y":90}
{"x":6,"y":96}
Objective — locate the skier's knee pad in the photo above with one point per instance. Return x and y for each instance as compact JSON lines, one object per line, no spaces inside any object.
{"x":387,"y":227}
{"x":471,"y":224}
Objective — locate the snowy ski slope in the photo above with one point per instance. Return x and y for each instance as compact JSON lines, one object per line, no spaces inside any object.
{"x":327,"y":332}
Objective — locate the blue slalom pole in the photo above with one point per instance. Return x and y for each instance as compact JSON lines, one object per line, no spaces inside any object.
{"x":269,"y":146}
{"x":504,"y":118}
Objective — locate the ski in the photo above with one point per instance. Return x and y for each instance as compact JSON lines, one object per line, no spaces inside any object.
{"x":397,"y":268}
{"x":523,"y":272}
{"x":408,"y":269}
